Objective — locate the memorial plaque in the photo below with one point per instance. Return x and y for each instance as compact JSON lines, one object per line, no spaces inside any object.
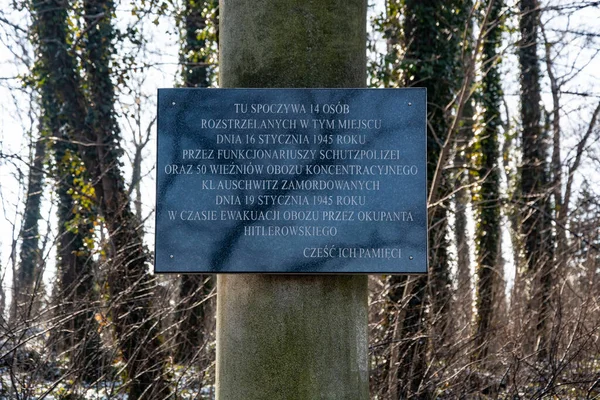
{"x":291,"y":181}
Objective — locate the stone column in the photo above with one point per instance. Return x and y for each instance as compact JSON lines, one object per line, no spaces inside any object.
{"x":291,"y":336}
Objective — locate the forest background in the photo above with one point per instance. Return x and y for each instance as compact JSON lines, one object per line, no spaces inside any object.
{"x":511,"y":305}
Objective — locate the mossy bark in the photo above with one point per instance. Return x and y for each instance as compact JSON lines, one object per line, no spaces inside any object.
{"x":536,"y":214}
{"x":487,"y":194}
{"x":194,"y":305}
{"x":292,"y":337}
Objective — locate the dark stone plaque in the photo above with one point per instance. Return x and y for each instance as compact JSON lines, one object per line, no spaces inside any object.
{"x":291,"y":181}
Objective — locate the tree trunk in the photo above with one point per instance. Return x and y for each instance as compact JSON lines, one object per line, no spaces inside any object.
{"x":75,"y":198}
{"x":29,"y":256}
{"x":461,"y":201}
{"x":193,"y":307}
{"x":536,"y":215}
{"x":432,"y":37}
{"x":94,"y":130}
{"x":462,"y":196}
{"x":487,"y":230}
{"x":130,"y":285}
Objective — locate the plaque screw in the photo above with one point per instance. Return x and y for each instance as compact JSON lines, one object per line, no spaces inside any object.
{"x":409,"y":104}
{"x":172,"y":256}
{"x":410,"y":258}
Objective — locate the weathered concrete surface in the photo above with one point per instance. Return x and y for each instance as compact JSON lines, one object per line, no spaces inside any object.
{"x":302,"y":337}
{"x":292,"y":43}
{"x":292,"y":337}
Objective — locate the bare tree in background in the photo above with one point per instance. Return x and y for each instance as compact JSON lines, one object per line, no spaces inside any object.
{"x":487,"y":196}
{"x":535,"y":188}
{"x":195,"y":308}
{"x":130,"y":286}
{"x":30,"y":257}
{"x":90,"y":123}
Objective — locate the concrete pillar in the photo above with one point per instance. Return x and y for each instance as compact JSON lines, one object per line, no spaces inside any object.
{"x":282,"y":336}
